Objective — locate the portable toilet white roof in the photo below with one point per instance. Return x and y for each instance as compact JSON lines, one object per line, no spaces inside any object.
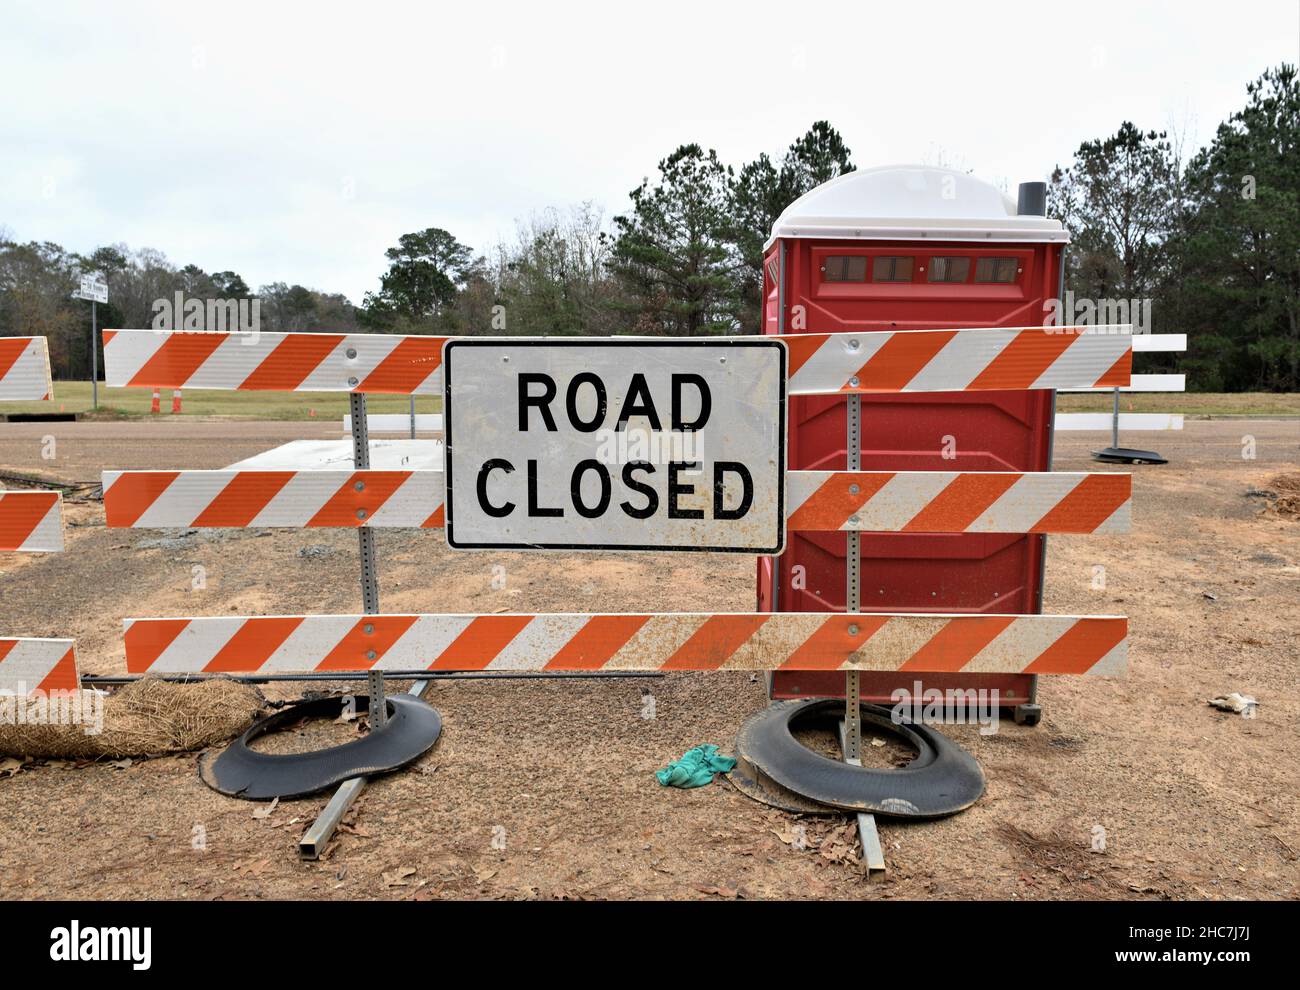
{"x":910,"y":202}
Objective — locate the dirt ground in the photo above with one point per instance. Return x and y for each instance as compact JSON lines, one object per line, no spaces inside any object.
{"x":1194,"y":803}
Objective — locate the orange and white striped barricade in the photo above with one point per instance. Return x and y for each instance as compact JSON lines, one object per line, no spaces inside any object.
{"x":820,"y":364}
{"x":841,"y":363}
{"x":305,"y":362}
{"x":946,"y":360}
{"x":871,"y":501}
{"x":959,"y":501}
{"x":1049,"y":644}
{"x":31,"y":522}
{"x":277,"y":362}
{"x":24,"y":369}
{"x":1115,"y":421}
{"x":524,"y":423}
{"x":28,"y":665}
{"x":959,"y":360}
{"x":270,"y":499}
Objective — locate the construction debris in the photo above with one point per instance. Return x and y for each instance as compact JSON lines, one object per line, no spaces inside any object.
{"x":1241,"y":704}
{"x":1282,"y":494}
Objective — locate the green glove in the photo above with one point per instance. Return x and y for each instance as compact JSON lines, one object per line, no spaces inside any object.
{"x":695,"y":768}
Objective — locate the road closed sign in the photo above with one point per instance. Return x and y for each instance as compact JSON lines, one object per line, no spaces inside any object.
{"x":615,"y":444}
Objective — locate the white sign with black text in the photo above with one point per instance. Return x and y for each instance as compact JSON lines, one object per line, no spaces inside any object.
{"x":93,"y":289}
{"x":615,"y":444}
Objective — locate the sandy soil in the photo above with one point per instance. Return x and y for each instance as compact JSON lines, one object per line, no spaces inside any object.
{"x":1195,"y":803}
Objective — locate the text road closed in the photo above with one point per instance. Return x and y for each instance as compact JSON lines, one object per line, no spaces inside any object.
{"x":615,"y":444}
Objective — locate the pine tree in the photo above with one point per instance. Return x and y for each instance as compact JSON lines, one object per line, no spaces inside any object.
{"x":672,"y":249}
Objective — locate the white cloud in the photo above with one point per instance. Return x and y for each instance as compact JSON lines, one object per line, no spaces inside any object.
{"x":297,"y":141}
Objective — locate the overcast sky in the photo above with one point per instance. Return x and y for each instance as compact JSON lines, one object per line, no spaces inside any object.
{"x":296,"y":142}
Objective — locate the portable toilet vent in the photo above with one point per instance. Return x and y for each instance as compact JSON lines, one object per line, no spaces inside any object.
{"x":913,"y":248}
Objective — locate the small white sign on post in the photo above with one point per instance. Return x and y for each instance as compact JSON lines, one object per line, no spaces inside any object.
{"x":615,"y":444}
{"x":93,"y":289}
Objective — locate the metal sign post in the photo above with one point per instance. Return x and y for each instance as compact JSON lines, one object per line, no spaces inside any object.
{"x":853,"y":590}
{"x":1114,"y":419}
{"x":94,"y":289}
{"x":313,"y":841}
{"x":1115,"y":454}
{"x":94,"y":358}
{"x":851,"y":726}
{"x":366,"y":538}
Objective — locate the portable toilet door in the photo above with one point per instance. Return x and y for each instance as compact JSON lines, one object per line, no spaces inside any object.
{"x":913,"y":248}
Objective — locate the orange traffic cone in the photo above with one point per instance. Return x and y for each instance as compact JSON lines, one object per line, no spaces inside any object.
{"x":176,"y":401}
{"x":155,"y":407}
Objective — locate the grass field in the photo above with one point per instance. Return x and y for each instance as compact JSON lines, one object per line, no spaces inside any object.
{"x":1188,"y":403}
{"x":133,"y":403}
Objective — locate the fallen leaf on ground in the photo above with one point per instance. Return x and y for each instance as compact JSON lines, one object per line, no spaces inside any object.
{"x":398,"y":877}
{"x":251,"y":867}
{"x":727,"y":892}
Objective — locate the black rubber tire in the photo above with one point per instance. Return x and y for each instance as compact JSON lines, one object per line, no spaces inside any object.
{"x":412,"y":728}
{"x":942,"y":780}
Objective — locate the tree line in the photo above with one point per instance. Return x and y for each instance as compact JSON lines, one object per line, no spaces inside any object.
{"x":1211,"y":238}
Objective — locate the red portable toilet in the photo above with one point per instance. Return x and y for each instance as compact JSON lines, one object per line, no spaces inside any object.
{"x":913,"y":248}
